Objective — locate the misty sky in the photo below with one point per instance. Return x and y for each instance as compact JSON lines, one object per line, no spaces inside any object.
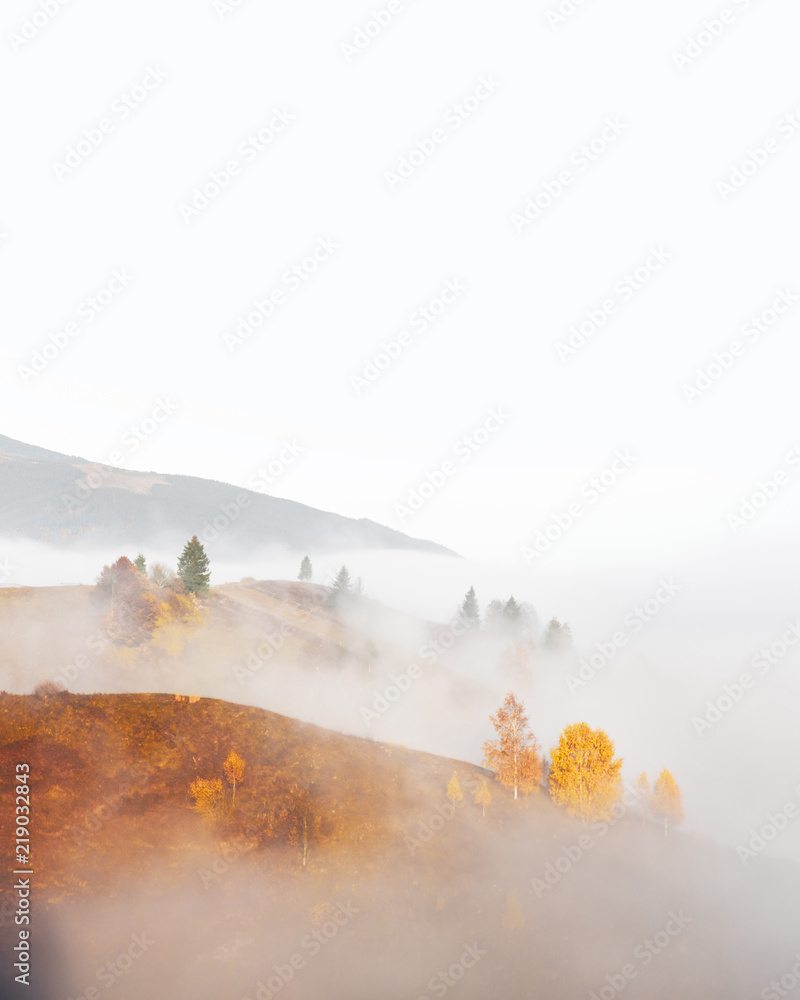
{"x":306,"y":134}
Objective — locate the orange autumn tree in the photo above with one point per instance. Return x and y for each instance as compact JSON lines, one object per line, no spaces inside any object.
{"x":514,"y":756}
{"x":666,"y":800}
{"x":234,"y":771}
{"x":131,"y":609}
{"x":207,"y":795}
{"x":584,"y":776}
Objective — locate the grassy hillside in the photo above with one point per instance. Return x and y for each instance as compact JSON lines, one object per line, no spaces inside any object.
{"x":397,"y":886}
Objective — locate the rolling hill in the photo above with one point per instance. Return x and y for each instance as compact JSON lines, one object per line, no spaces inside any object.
{"x":401,"y":893}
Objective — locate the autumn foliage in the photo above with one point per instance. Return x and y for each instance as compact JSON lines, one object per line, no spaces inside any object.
{"x":131,"y":610}
{"x":234,"y":771}
{"x":584,"y":776}
{"x":666,"y":802}
{"x":483,"y":797}
{"x":514,"y":755}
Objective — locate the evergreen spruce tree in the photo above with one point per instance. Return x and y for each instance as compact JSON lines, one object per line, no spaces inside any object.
{"x":193,"y":567}
{"x":140,"y":563}
{"x":305,"y":569}
{"x":469,"y":612}
{"x":341,"y":589}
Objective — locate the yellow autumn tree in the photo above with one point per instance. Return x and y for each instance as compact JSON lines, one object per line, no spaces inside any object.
{"x":234,"y":771}
{"x":667,"y":800}
{"x":642,"y":790}
{"x":514,"y":755}
{"x":584,"y":776}
{"x":207,"y":795}
{"x":483,"y":796}
{"x":454,"y":790}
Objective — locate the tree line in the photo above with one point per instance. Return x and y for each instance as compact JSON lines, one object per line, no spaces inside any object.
{"x":582,"y":774}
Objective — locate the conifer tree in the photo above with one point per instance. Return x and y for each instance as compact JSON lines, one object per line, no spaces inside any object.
{"x":140,"y":563}
{"x":558,"y":635}
{"x":469,"y":612}
{"x":511,"y":612}
{"x":305,"y":569}
{"x":193,"y":567}
{"x":514,"y":756}
{"x":341,"y":589}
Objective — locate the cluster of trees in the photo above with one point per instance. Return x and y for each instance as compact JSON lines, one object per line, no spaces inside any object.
{"x":483,"y":797}
{"x":137,"y":602}
{"x":286,"y":811}
{"x":209,"y":794}
{"x":582,"y":775}
{"x":514,"y":620}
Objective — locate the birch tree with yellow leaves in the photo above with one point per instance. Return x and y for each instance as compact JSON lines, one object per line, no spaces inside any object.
{"x":234,"y":771}
{"x":584,"y":776}
{"x":514,"y":756}
{"x":666,"y":801}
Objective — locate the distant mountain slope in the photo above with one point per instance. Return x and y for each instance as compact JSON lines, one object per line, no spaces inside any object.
{"x":66,"y":500}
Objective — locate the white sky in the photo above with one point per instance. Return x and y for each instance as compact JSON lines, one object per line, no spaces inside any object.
{"x":655,"y":185}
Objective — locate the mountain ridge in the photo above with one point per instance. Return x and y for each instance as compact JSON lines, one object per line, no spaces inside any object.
{"x":71,"y":501}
